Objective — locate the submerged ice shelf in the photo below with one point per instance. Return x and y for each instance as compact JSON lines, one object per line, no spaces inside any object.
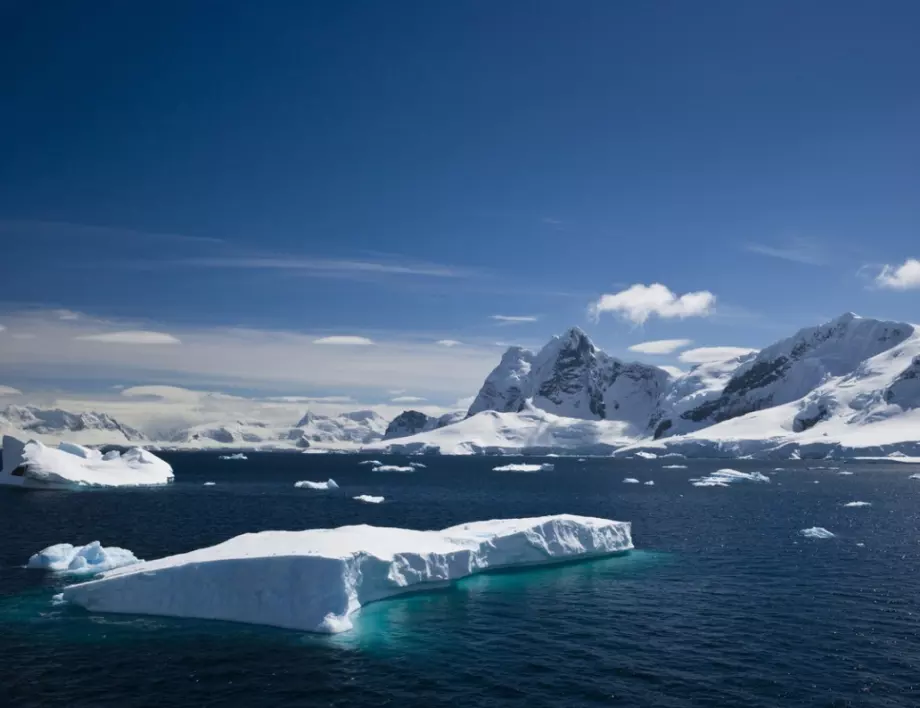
{"x":315,"y":580}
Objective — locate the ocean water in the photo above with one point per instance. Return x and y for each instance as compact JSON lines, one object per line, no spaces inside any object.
{"x":723,"y":603}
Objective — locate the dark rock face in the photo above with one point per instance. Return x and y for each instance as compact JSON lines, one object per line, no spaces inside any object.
{"x":904,"y":391}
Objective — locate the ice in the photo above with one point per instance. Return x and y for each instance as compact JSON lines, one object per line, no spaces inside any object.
{"x":209,"y":484}
{"x":914,"y":476}
{"x":69,"y":465}
{"x":855,"y":504}
{"x":674,"y":467}
{"x":816,"y":532}
{"x":81,"y":560}
{"x":376,"y":463}
{"x":368,"y":499}
{"x":650,"y":483}
{"x":235,"y":456}
{"x":630,"y":480}
{"x":418,"y":465}
{"x":647,"y":455}
{"x":545,"y":467}
{"x":845,"y":473}
{"x":328,"y":484}
{"x":393,"y":468}
{"x":315,"y":580}
{"x":724,"y":477}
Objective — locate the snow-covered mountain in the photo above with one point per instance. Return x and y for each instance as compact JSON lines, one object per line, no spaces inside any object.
{"x":571,"y":377}
{"x":413,"y":422}
{"x":90,"y":428}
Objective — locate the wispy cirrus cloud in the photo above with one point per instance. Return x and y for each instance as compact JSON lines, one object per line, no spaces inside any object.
{"x":90,"y":232}
{"x":660,"y":346}
{"x":639,"y":302}
{"x":514,"y":319}
{"x":798,"y":250}
{"x":448,"y":343}
{"x":326,"y":266}
{"x":407,"y":399}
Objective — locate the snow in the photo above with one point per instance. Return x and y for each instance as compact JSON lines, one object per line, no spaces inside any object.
{"x":81,"y":560}
{"x":328,"y":484}
{"x":413,"y":422}
{"x":816,"y":532}
{"x":393,"y":468}
{"x":724,"y":477}
{"x":856,"y":504}
{"x":368,"y":499}
{"x":674,"y":467}
{"x":630,"y":480}
{"x":316,"y":580}
{"x":74,"y":466}
{"x":235,"y":456}
{"x":545,"y":467}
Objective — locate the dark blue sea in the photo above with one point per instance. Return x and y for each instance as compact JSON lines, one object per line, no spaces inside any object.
{"x":722,"y":604}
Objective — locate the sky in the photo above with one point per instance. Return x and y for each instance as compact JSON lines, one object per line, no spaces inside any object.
{"x":357,"y":204}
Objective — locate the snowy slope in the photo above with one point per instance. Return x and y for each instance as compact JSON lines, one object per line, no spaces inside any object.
{"x":412,"y":422}
{"x":571,"y":377}
{"x":531,"y":430}
{"x":316,"y":580}
{"x":51,"y":425}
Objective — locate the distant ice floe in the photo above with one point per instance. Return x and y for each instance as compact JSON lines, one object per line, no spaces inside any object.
{"x":328,"y":484}
{"x":630,"y":480}
{"x":650,"y":483}
{"x":914,"y":476}
{"x":209,"y":484}
{"x":393,"y":468}
{"x":82,"y":560}
{"x":647,"y":455}
{"x":725,"y":477}
{"x":674,"y":467}
{"x":521,"y":467}
{"x":234,"y":456}
{"x":368,"y":499}
{"x":845,"y":473}
{"x":816,"y":532}
{"x":315,"y":580}
{"x":856,"y":504}
{"x":375,"y":463}
{"x":418,"y":465}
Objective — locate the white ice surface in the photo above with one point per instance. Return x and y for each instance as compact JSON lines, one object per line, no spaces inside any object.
{"x":816,"y":532}
{"x":393,"y":468}
{"x":209,"y":484}
{"x":724,"y":477}
{"x":522,"y":467}
{"x":630,"y":480}
{"x":674,"y":467}
{"x":70,"y":465}
{"x":650,"y":483}
{"x":857,"y":504}
{"x":81,"y":560}
{"x":328,"y":484}
{"x":234,"y":456}
{"x":369,"y":499}
{"x":315,"y":580}
{"x":376,"y":463}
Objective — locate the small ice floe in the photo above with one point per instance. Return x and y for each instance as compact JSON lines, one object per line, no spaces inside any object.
{"x":630,"y":480}
{"x":328,"y":484}
{"x":647,"y":455}
{"x":81,"y":560}
{"x":856,"y":504}
{"x":816,"y":532}
{"x":650,"y":483}
{"x":724,"y":477}
{"x":914,"y":476}
{"x":375,"y":463}
{"x":845,"y":473}
{"x":418,"y":465}
{"x":521,"y":467}
{"x":674,"y":467}
{"x":368,"y":499}
{"x":393,"y":468}
{"x":209,"y":484}
{"x":234,"y":456}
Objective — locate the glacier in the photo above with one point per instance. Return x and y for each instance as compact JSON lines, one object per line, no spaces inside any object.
{"x":90,"y":559}
{"x":315,"y":580}
{"x":35,"y":465}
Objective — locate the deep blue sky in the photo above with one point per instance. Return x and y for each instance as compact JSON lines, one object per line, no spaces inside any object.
{"x":539,"y":153}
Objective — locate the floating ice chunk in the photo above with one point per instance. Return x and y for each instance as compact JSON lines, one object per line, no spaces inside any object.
{"x":234,"y":456}
{"x":650,"y":483}
{"x":521,"y":467}
{"x":914,"y":476}
{"x":856,"y":504}
{"x":816,"y":532}
{"x":328,"y":484}
{"x":418,"y":465}
{"x":724,"y":477}
{"x":630,"y":480}
{"x":368,"y":499}
{"x":861,"y":545}
{"x":69,"y":466}
{"x":376,"y":463}
{"x":674,"y":467}
{"x":315,"y":580}
{"x":81,"y":560}
{"x":647,"y":455}
{"x":393,"y":468}
{"x":209,"y":484}
{"x":581,"y":459}
{"x":845,"y":473}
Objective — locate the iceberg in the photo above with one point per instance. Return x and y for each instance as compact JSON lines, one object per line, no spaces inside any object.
{"x":315,"y":580}
{"x":650,"y":483}
{"x":630,"y":480}
{"x":369,"y":499}
{"x":235,"y":456}
{"x":67,"y":466}
{"x":674,"y":467}
{"x":393,"y":468}
{"x":856,"y":504}
{"x":328,"y":484}
{"x":209,"y":484}
{"x":375,"y":463}
{"x":816,"y":532}
{"x":81,"y":560}
{"x":545,"y":467}
{"x":724,"y":477}
{"x":418,"y":465}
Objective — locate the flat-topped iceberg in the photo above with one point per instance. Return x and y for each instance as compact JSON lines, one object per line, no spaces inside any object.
{"x":234,"y":456}
{"x":315,"y":580}
{"x":306,"y":484}
{"x":69,"y":465}
{"x":522,"y":467}
{"x":81,"y":560}
{"x":369,"y":499}
{"x":724,"y":477}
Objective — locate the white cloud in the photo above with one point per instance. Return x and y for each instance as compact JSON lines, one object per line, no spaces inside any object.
{"x":661,"y":346}
{"x":407,"y":399}
{"x":2,"y":328}
{"x":345,"y":340}
{"x":514,"y":319}
{"x":800,"y":250}
{"x":135,"y":336}
{"x":448,"y":342}
{"x":9,"y":391}
{"x":903,"y":277}
{"x":464,"y":403}
{"x":673,"y":370}
{"x":22,"y":335}
{"x":639,"y":302}
{"x":311,"y":399}
{"x":703,"y":355}
{"x":67,"y":314}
